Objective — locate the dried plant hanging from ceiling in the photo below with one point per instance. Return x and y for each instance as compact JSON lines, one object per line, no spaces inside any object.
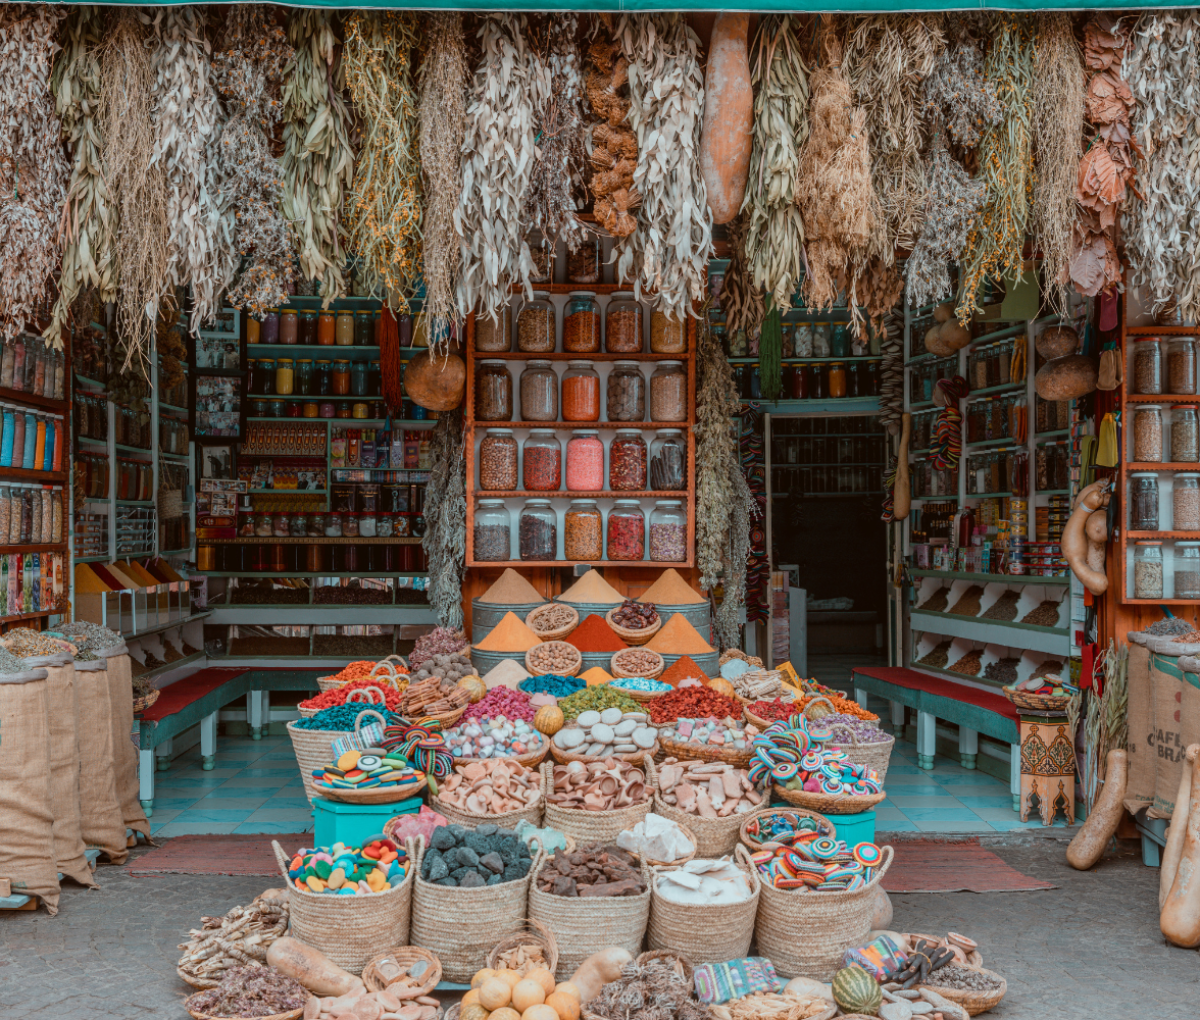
{"x":318,"y":162}
{"x":249,"y":70}
{"x":445,"y":539}
{"x":741,"y":300}
{"x":383,"y":209}
{"x":668,"y":254}
{"x":773,"y":227}
{"x":88,"y":224}
{"x":1106,"y":171}
{"x":511,"y":83}
{"x":1162,"y":69}
{"x":891,"y":371}
{"x":1058,"y":100}
{"x":614,"y":145}
{"x":887,"y":58}
{"x":562,"y":117}
{"x":996,"y":241}
{"x":443,"y":112}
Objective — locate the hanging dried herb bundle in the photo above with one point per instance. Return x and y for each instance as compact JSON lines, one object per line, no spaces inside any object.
{"x":383,"y":209}
{"x":88,"y":225}
{"x":443,"y":113}
{"x":1058,"y":99}
{"x":996,"y":241}
{"x":317,"y":163}
{"x":510,"y":84}
{"x":550,"y":201}
{"x":668,"y":254}
{"x":887,"y":58}
{"x":249,"y":71}
{"x":891,"y":371}
{"x":614,"y":145}
{"x":958,"y":94}
{"x":879,"y":287}
{"x":445,"y":540}
{"x":774,"y":229}
{"x":741,"y":300}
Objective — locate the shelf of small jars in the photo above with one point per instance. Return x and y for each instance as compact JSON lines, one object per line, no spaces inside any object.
{"x":567,"y":494}
{"x":91,"y":441}
{"x":560,"y":426}
{"x":801,"y":361}
{"x":354,"y":352}
{"x":657,"y":564}
{"x":591,"y":288}
{"x":560,"y":356}
{"x":140,"y":450}
{"x":991,"y":442}
{"x":1161,"y":398}
{"x":1000,"y":334}
{"x":28,"y":474}
{"x":1162,"y":330}
{"x":1163,"y":465}
{"x":264,"y":540}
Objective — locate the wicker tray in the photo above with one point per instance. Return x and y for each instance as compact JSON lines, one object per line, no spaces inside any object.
{"x":572,"y":671}
{"x":830,"y":803}
{"x":633,"y":757}
{"x":754,"y":843}
{"x":756,"y":720}
{"x":682,"y":964}
{"x":530,"y":931}
{"x":652,"y":863}
{"x":641,"y":697}
{"x":559,"y":632}
{"x":144,"y":702}
{"x":973,"y":1002}
{"x":705,"y":752}
{"x":974,"y":957}
{"x":375,"y":795}
{"x":629,"y":636}
{"x":405,"y":956}
{"x":1036,"y":703}
{"x":652,"y":674}
{"x":291,"y":1014}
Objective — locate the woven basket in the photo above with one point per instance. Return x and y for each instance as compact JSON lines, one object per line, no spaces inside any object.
{"x":682,"y":965}
{"x":506,"y":820}
{"x":973,"y":1002}
{"x":596,"y":826}
{"x":715,"y":837}
{"x":558,"y":633}
{"x":641,"y":697}
{"x":757,"y":720}
{"x":328,"y":683}
{"x":144,"y":702}
{"x":1035,"y":703}
{"x":405,"y":957}
{"x":614,"y":666}
{"x":704,"y":752}
{"x":630,"y":636}
{"x":633,"y":757}
{"x":706,"y":934}
{"x":974,"y":957}
{"x":531,"y":759}
{"x":367,"y":698}
{"x":291,"y":1014}
{"x":459,"y":925}
{"x":875,"y":755}
{"x":806,"y":933}
{"x":652,"y":863}
{"x":375,"y":795}
{"x":754,"y":843}
{"x":576,"y":666}
{"x":584,"y":925}
{"x":314,"y":750}
{"x":529,"y":931}
{"x":350,"y":929}
{"x":830,"y":803}
{"x":737,"y":653}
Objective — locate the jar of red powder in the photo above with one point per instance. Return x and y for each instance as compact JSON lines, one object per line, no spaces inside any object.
{"x":580,"y":392}
{"x":626,"y":531}
{"x":541,"y":461}
{"x":627,"y":461}
{"x":585,"y":461}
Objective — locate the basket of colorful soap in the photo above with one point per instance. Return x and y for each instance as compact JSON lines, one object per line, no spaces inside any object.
{"x":370,"y":776}
{"x":594,"y":736}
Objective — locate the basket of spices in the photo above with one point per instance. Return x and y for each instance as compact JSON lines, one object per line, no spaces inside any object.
{"x":611,"y":733}
{"x":531,"y":946}
{"x":640,"y":688}
{"x":553,"y":621}
{"x":710,"y":798}
{"x":635,"y":623}
{"x":557,"y":657}
{"x":630,"y":662}
{"x":974,"y":989}
{"x":359,"y":670}
{"x":142,"y":702}
{"x":416,"y":971}
{"x":597,"y":801}
{"x":497,"y":791}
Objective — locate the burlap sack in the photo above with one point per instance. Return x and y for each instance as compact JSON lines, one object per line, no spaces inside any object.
{"x":125,"y":755}
{"x":1139,"y":791}
{"x":1166,"y":681}
{"x":26,"y":821}
{"x":100,"y":816}
{"x":64,"y":773}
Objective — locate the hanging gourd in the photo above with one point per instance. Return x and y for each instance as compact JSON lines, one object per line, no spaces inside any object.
{"x":725,"y":138}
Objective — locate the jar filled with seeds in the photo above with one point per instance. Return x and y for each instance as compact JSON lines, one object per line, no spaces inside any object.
{"x":493,"y":531}
{"x":498,"y":461}
{"x":1187,"y":570}
{"x":585,"y":462}
{"x":535,"y":325}
{"x":538,"y":531}
{"x":1185,"y":502}
{"x":539,"y":392}
{"x":668,"y":461}
{"x":5,"y":510}
{"x":623,"y":325}
{"x":668,"y":531}
{"x":386,"y":527}
{"x":35,"y":517}
{"x":1147,"y":433}
{"x":493,"y":392}
{"x":1148,"y":570}
{"x":542,"y":253}
{"x":581,"y":323}
{"x":583,"y":264}
{"x":58,"y":516}
{"x":668,"y":335}
{"x":580,"y":392}
{"x":583,"y":531}
{"x":541,"y":461}
{"x":1148,"y":365}
{"x":626,"y":531}
{"x":627,"y":461}
{"x":1185,"y":434}
{"x":626,"y":399}
{"x":1143,"y":497}
{"x":1181,"y":365}
{"x":282,"y":526}
{"x":668,"y":392}
{"x":494,"y":336}
{"x":316,"y":525}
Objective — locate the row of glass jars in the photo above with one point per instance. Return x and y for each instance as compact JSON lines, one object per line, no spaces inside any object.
{"x":31,"y":515}
{"x":584,"y":531}
{"x":341,"y":378}
{"x":335,"y":524}
{"x":584,"y":331}
{"x":995,"y":418}
{"x":991,"y":365}
{"x":29,"y":365}
{"x":580,"y":392}
{"x":1149,"y":434}
{"x":631,"y":467}
{"x":1164,"y":366}
{"x":326,"y":329}
{"x":1144,"y":502}
{"x":1149,"y":562}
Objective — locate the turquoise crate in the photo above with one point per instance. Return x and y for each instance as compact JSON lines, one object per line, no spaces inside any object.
{"x":859,"y":828}
{"x":352,"y":824}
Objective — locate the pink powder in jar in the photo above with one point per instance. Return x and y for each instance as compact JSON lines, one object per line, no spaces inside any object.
{"x":585,"y":463}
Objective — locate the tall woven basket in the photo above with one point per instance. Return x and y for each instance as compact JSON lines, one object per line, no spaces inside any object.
{"x":596,"y":826}
{"x":874,"y":755}
{"x":314,"y":749}
{"x":351,"y":929}
{"x":806,"y":933}
{"x":705,"y":934}
{"x":715,"y":837}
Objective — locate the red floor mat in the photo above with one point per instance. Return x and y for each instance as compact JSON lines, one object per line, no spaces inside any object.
{"x":218,"y":855}
{"x":963,"y":866}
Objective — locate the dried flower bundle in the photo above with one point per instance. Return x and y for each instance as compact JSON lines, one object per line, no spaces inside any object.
{"x":445,"y":540}
{"x":958,"y":94}
{"x":614,"y":145}
{"x":668,"y":254}
{"x":774,"y":229}
{"x":318,"y":163}
{"x":249,"y":72}
{"x":443,"y":113}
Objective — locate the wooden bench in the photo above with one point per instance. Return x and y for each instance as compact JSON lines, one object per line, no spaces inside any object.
{"x":975,"y":711}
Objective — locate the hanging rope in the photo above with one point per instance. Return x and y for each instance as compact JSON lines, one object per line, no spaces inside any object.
{"x":946,"y":447}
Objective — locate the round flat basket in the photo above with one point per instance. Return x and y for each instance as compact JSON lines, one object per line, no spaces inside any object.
{"x":375,"y":795}
{"x":974,"y":957}
{"x":554,"y":633}
{"x":403,"y":957}
{"x":830,"y":803}
{"x":825,"y":826}
{"x":291,"y":1014}
{"x":447,"y":719}
{"x":677,"y":961}
{"x":531,"y":934}
{"x":633,"y":757}
{"x":1036,"y":703}
{"x":563,"y":646}
{"x":715,"y":837}
{"x":737,"y":757}
{"x":629,"y":635}
{"x":597,"y":826}
{"x":972,"y":1001}
{"x":652,"y":863}
{"x":617,"y":670}
{"x":144,"y":702}
{"x":755,"y":720}
{"x":641,"y":697}
{"x":329,"y":683}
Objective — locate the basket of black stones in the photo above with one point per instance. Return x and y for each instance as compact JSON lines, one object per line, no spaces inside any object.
{"x":259,"y":992}
{"x":635,"y":623}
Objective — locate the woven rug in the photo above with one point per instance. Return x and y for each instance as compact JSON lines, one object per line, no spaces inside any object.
{"x":928,"y":866}
{"x":218,"y":855}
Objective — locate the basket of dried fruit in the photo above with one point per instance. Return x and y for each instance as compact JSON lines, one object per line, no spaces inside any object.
{"x":527,"y":948}
{"x":635,"y":623}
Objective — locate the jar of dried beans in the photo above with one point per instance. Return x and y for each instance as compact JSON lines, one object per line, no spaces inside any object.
{"x":1181,"y":365}
{"x":585,"y":462}
{"x":538,"y":527}
{"x":493,"y":392}
{"x":535,"y":325}
{"x":1148,"y":570}
{"x":668,"y":335}
{"x":623,"y":325}
{"x":668,"y":392}
{"x":583,"y":264}
{"x":541,"y":461}
{"x":668,"y":531}
{"x":539,"y":392}
{"x":583,"y":531}
{"x":1185,"y":436}
{"x":1143,"y":495}
{"x":668,"y":460}
{"x":1148,"y":433}
{"x":626,"y":400}
{"x":498,"y":461}
{"x":627,"y":461}
{"x":494,"y":336}
{"x":1148,"y":365}
{"x":581,"y":324}
{"x":1187,"y":570}
{"x":1185,"y":502}
{"x":580,"y":392}
{"x":626,"y":531}
{"x":492,"y":531}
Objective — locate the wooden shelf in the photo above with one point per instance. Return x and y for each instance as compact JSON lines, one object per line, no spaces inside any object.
{"x":679,"y":494}
{"x":21,"y":397}
{"x":29,"y":616}
{"x":561,"y":356}
{"x":29,"y":475}
{"x":564,"y":426}
{"x":656,"y":564}
{"x":16,"y":550}
{"x":1162,"y":331}
{"x":1150,"y":536}
{"x":402,"y":540}
{"x":964,"y":575}
{"x":1163,"y":398}
{"x":1163,"y":465}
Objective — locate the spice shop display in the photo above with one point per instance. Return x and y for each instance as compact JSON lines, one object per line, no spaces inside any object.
{"x":611,"y":732}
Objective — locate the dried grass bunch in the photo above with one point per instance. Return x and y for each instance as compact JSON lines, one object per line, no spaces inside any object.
{"x":958,"y":94}
{"x":511,"y":83}
{"x":774,"y":229}
{"x":1058,"y":101}
{"x":668,"y":254}
{"x":741,"y":299}
{"x":614,"y":145}
{"x":383,"y":209}
{"x":443,"y":113}
{"x":445,"y":540}
{"x":249,"y":71}
{"x":318,"y":162}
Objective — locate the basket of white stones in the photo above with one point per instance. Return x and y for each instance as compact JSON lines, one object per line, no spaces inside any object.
{"x":612,"y":733}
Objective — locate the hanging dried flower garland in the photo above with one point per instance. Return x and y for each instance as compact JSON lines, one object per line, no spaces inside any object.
{"x":443,"y":113}
{"x":318,"y":163}
{"x":249,"y":71}
{"x":668,"y":254}
{"x":445,"y":540}
{"x":614,"y":145}
{"x":383,"y":209}
{"x":774,"y":229}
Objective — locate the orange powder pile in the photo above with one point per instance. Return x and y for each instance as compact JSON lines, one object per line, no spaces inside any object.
{"x":511,"y":589}
{"x":678,"y":637}
{"x":592,"y":588}
{"x":595,"y":676}
{"x":680,"y":670}
{"x":509,"y":635}
{"x":671,"y":590}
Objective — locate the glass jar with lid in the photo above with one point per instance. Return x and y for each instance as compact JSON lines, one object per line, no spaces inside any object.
{"x":344,"y":334}
{"x":333,"y":524}
{"x":538,"y":531}
{"x":326,"y":329}
{"x":583,"y":264}
{"x":623,"y":325}
{"x":535,"y":325}
{"x":627,"y":461}
{"x":626,"y":531}
{"x":542,"y":253}
{"x":316,"y":525}
{"x":493,"y":392}
{"x":541,"y":461}
{"x":386,"y":527}
{"x":1181,"y":365}
{"x":364,"y":330}
{"x":322,"y":378}
{"x":668,"y":461}
{"x":1187,"y":570}
{"x":494,"y":336}
{"x":668,"y":392}
{"x":268,"y":332}
{"x":583,"y":531}
{"x":626,"y":398}
{"x":1148,"y":365}
{"x":539,"y":392}
{"x":358,"y":379}
{"x":668,"y":531}
{"x":285,"y":376}
{"x":585,"y":462}
{"x":307,"y":325}
{"x":668,"y":335}
{"x":1147,"y":433}
{"x":1185,"y":434}
{"x":498,"y":461}
{"x":368,"y":524}
{"x":1143,"y":497}
{"x":299,"y":526}
{"x":262,"y":377}
{"x":289,"y":326}
{"x":264,"y":527}
{"x":350,"y":524}
{"x":282,"y":526}
{"x":303,"y":382}
{"x":1148,"y":570}
{"x":1185,"y":501}
{"x":492,"y":533}
{"x":581,"y":323}
{"x":580,"y":392}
